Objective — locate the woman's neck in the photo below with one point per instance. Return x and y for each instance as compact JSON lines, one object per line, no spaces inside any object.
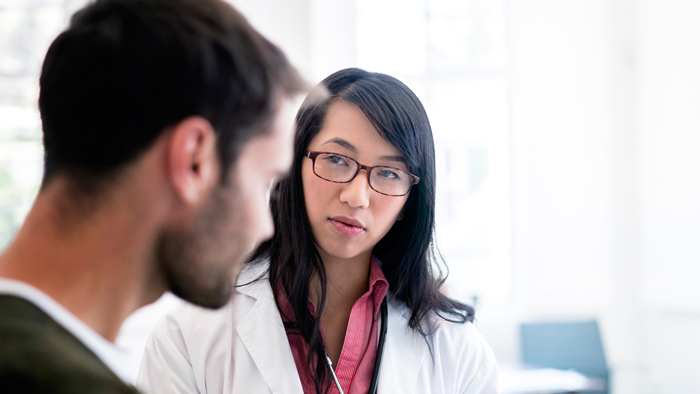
{"x":347,"y":281}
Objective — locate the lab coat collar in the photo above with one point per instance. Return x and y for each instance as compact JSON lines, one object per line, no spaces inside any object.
{"x":263,"y":330}
{"x":263,"y":335}
{"x":254,"y":281}
{"x":269,"y":348}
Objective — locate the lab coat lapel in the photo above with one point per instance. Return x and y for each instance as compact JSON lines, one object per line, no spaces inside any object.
{"x":263,"y":335}
{"x":404,"y":354}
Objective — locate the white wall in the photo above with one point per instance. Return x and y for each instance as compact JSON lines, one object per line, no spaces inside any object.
{"x":562,"y":144}
{"x":318,"y":36}
{"x":574,"y":168}
{"x":669,"y":129}
{"x":606,"y":99}
{"x":669,"y":168}
{"x":286,"y":23}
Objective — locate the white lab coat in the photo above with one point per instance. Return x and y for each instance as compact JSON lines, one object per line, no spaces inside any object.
{"x":243,"y":349}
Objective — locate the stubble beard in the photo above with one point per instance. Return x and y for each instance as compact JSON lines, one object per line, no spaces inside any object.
{"x":201,"y":261}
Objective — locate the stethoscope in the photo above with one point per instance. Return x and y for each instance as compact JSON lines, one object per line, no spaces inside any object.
{"x":380,"y":350}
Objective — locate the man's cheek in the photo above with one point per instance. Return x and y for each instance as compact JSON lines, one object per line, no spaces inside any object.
{"x":264,"y":217}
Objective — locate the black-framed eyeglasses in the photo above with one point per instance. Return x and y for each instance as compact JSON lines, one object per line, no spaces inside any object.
{"x":336,"y":168}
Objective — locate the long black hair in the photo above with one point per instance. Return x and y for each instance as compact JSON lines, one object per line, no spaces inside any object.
{"x":407,"y":252}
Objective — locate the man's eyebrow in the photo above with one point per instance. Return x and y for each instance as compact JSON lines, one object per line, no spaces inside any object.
{"x":345,"y":144}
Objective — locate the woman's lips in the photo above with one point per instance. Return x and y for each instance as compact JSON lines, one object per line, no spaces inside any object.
{"x":346,"y":227}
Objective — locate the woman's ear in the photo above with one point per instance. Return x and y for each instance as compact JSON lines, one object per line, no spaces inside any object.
{"x":193,"y":165}
{"x":400,"y":217}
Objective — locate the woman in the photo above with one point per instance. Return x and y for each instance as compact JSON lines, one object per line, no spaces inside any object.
{"x":354,"y":223}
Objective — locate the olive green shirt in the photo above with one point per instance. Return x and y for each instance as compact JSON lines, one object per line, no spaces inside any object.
{"x":38,"y":355}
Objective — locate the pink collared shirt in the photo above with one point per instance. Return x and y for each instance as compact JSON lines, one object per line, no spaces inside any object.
{"x":356,"y":363}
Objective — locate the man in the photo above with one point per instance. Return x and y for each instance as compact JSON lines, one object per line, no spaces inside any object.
{"x":165,"y":123}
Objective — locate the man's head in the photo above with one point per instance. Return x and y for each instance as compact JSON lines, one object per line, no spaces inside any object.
{"x":193,"y":78}
{"x":200,"y":254}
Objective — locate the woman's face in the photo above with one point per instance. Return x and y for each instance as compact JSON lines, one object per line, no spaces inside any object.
{"x":349,"y":219}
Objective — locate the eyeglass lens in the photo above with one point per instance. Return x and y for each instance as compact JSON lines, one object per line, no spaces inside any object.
{"x":385,"y":180}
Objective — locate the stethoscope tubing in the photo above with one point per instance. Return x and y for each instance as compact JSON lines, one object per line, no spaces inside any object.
{"x":380,"y":351}
{"x":380,"y":348}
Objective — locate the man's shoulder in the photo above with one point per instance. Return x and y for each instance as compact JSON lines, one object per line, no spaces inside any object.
{"x":38,"y":355}
{"x":27,"y":330}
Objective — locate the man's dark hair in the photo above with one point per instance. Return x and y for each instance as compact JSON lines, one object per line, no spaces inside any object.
{"x":126,"y":70}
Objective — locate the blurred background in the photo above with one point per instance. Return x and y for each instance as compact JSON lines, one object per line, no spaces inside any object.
{"x":568,"y":145}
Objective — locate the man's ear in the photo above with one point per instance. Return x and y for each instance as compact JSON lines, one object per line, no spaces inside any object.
{"x":192,"y":160}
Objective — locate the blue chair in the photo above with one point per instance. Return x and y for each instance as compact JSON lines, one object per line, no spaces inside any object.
{"x":565,"y":345}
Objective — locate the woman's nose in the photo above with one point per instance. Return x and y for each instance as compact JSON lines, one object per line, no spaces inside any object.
{"x":356,"y":193}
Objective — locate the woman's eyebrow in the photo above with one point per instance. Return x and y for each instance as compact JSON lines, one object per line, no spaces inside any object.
{"x":399,"y":159}
{"x":347,"y":145}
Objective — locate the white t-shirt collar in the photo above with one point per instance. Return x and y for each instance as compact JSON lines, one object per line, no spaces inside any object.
{"x":114,"y":358}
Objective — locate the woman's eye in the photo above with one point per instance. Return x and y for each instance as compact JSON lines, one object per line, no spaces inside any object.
{"x":337,"y":160}
{"x":389,"y":174}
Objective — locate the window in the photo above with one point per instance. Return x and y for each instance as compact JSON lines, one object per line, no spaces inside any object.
{"x":26,"y":30}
